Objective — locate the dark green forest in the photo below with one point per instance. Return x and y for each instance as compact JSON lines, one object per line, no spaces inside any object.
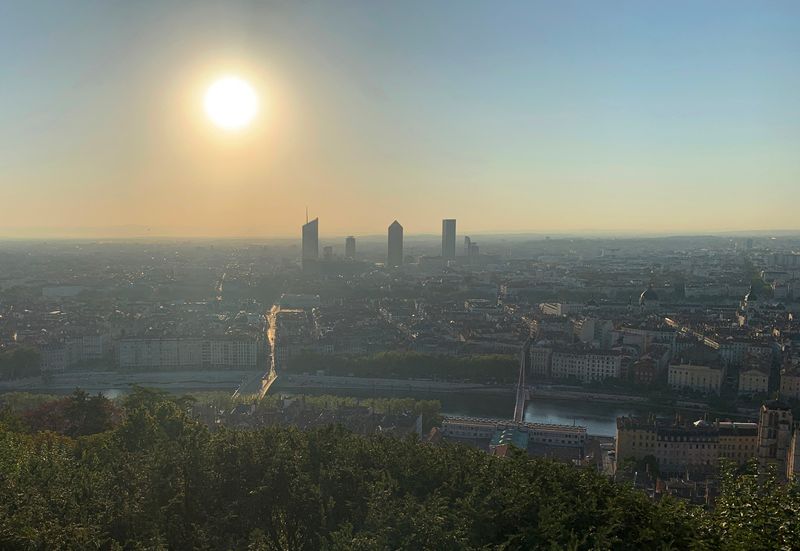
{"x":18,"y":363}
{"x":85,"y":473}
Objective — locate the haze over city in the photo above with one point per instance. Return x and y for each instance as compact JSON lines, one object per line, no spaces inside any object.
{"x":400,"y":275}
{"x":568,"y":117}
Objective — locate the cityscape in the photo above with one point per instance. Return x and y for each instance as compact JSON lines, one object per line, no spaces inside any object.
{"x":597,"y":352}
{"x":406,"y":276}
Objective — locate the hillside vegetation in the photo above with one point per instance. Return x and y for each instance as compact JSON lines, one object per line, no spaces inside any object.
{"x":147,"y":476}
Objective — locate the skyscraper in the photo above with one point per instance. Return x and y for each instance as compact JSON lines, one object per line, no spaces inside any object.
{"x":395,"y":256}
{"x":448,"y":238}
{"x":350,"y":247}
{"x":310,"y":242}
{"x":470,"y":248}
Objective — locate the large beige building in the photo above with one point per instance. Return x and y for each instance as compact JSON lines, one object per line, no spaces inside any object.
{"x":790,"y":383}
{"x":737,"y":442}
{"x":188,"y":353}
{"x":540,"y":359}
{"x":680,"y":446}
{"x":703,"y":378}
{"x":753,"y":380}
{"x":585,"y":364}
{"x":755,"y":371}
{"x":677,"y":447}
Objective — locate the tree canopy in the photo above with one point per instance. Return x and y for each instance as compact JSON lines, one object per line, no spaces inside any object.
{"x":161,"y":480}
{"x":19,"y":363}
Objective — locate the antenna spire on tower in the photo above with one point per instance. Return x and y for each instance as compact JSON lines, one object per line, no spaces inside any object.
{"x":306,"y":215}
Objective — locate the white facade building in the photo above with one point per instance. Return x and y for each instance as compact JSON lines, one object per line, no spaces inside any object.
{"x":753,"y":380}
{"x":695,"y":377}
{"x":585,"y":364}
{"x":188,"y":353}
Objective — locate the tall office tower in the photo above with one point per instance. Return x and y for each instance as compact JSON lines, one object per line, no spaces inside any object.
{"x":310,"y":241}
{"x":350,"y":247}
{"x":448,"y":238}
{"x":470,"y":247}
{"x":395,"y":256}
{"x":327,"y":253}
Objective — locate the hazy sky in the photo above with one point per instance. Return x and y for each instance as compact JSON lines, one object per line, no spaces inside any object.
{"x":509,"y":116}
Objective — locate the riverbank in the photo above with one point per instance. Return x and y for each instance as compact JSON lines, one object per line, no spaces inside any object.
{"x":102,"y":381}
{"x":557,"y":404}
{"x":298,"y":382}
{"x":248,"y":382}
{"x":585,"y":395}
{"x":598,"y":418}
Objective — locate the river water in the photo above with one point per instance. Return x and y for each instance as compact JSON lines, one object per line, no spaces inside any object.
{"x":598,"y":418}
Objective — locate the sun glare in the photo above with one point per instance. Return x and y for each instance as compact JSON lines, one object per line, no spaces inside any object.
{"x":231,"y":103}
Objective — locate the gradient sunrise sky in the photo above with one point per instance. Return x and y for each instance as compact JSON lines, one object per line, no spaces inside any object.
{"x":509,"y":116}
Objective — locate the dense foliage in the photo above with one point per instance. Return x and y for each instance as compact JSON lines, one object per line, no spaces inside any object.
{"x":19,"y":363}
{"x":271,"y":402}
{"x":755,"y":512}
{"x":159,"y":480}
{"x":319,"y":405}
{"x":412,"y":365}
{"x":77,"y":415}
{"x":24,"y":401}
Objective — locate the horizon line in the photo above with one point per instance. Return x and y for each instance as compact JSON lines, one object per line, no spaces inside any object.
{"x":73,"y":235}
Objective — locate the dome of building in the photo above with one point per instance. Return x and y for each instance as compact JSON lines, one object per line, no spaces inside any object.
{"x":649,"y":295}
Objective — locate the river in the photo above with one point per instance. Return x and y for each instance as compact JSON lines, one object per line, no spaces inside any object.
{"x":598,"y":418}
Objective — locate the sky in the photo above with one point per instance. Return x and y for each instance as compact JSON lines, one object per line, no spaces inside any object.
{"x":512,"y":117}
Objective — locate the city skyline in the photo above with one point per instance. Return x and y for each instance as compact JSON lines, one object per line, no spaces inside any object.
{"x":217,"y":333}
{"x":580,"y":118}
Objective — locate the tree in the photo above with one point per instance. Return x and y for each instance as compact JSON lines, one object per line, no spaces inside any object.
{"x":754,"y":511}
{"x":76,"y":415}
{"x":160,"y":480}
{"x":19,"y":363}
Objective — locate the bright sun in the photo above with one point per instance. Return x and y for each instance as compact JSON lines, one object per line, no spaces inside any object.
{"x":231,"y":103}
